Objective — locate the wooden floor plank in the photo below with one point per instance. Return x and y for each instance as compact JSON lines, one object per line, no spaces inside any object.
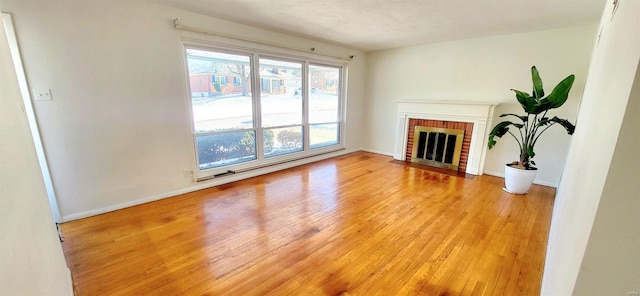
{"x":358,"y":224}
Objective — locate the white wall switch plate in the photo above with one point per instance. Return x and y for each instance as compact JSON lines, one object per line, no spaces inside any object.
{"x":42,"y":94}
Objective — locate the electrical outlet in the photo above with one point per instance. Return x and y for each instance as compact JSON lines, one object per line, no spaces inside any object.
{"x":187,"y":173}
{"x":42,"y":94}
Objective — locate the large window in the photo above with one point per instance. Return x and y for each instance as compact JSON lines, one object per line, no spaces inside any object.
{"x":249,"y":109}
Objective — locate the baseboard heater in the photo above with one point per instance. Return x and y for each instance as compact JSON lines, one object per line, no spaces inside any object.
{"x":228,"y":172}
{"x":233,"y":172}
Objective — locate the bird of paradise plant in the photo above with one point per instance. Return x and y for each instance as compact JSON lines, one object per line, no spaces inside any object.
{"x":529,"y":127}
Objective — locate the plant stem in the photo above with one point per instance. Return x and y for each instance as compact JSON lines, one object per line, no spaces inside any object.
{"x":514,"y":136}
{"x":532,"y":132}
{"x":535,"y":131}
{"x":521,"y":135}
{"x":542,"y":132}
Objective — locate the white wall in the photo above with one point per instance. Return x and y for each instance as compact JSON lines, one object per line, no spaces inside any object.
{"x":601,"y":173}
{"x":481,"y":70}
{"x":31,"y":258}
{"x":611,"y":263}
{"x":117,"y":132}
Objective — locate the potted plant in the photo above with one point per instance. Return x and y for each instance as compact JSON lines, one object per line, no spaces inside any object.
{"x":528,"y":128}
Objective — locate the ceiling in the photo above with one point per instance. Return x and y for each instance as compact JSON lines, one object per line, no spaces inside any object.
{"x":371,"y":25}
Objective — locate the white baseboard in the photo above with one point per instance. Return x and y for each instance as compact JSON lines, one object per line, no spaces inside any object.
{"x":205,"y":184}
{"x":71,"y":289}
{"x":378,"y":152}
{"x":536,"y":181}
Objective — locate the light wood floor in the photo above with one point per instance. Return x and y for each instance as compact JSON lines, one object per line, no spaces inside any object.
{"x":357,"y":224}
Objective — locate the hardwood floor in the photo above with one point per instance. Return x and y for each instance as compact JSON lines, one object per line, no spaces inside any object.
{"x":357,"y":224}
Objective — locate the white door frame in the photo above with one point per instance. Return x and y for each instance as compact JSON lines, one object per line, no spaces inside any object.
{"x":30,"y":113}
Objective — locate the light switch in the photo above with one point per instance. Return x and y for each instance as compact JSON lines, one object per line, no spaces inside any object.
{"x":42,"y":94}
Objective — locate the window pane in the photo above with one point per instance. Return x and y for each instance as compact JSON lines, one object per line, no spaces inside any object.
{"x":324,"y":93}
{"x":219,"y":150}
{"x":220,"y":90}
{"x":321,"y":135}
{"x":279,"y":141}
{"x":280,"y":101}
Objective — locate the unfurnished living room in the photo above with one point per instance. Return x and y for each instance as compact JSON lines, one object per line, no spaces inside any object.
{"x":366,"y":147}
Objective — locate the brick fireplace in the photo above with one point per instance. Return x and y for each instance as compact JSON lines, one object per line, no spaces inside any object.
{"x":472,"y":117}
{"x":466,"y":142}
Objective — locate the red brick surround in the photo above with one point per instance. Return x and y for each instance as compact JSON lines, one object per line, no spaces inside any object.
{"x":466,"y":143}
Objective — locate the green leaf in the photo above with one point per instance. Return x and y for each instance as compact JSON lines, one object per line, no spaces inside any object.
{"x":560,"y":93}
{"x":542,"y":121}
{"x":565,"y":123}
{"x":527,"y":102}
{"x":524,"y":118}
{"x":542,"y":106}
{"x":500,"y":130}
{"x":492,"y":142}
{"x":530,"y":152}
{"x":538,"y":92}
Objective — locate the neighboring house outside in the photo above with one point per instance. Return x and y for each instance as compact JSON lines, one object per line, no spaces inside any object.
{"x":226,"y":82}
{"x":214,"y":84}
{"x":278,"y":81}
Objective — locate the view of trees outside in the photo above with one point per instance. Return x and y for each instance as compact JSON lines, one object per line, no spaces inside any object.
{"x":223,"y":107}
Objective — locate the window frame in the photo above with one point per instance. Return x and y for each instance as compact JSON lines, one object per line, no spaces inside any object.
{"x":261,"y":160}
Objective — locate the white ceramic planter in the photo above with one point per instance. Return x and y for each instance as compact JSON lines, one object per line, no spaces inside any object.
{"x":518,"y":181}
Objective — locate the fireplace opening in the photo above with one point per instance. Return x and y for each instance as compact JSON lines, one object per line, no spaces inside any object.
{"x":439,"y":147}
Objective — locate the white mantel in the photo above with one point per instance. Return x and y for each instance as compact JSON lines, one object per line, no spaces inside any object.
{"x":478,"y":113}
